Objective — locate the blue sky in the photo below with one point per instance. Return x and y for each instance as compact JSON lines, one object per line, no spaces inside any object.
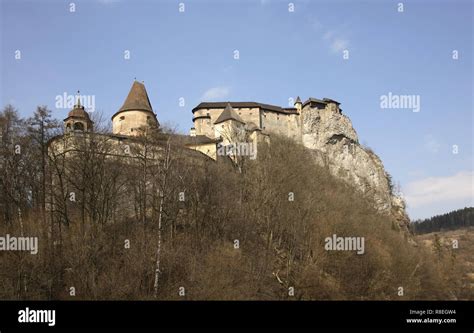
{"x":282,"y":54}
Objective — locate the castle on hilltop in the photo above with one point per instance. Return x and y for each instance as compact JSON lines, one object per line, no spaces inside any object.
{"x":215,"y":123}
{"x":224,"y":120}
{"x":135,"y":115}
{"x":318,"y":124}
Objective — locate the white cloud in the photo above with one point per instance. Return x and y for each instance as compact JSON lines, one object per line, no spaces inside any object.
{"x":339,"y":44}
{"x":441,"y":190}
{"x":215,"y":93}
{"x":336,"y":40}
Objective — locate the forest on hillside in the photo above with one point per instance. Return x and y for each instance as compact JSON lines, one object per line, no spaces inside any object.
{"x":172,"y":224}
{"x":461,"y":218}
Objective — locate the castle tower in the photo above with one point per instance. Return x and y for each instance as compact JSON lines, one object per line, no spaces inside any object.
{"x":332,"y":105}
{"x":78,"y":119}
{"x":228,"y":125}
{"x":299,"y":121}
{"x":135,"y":114}
{"x":298,"y":104}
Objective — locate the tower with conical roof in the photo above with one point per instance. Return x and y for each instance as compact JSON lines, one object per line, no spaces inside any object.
{"x":228,"y":125}
{"x":229,"y":114}
{"x":78,"y":119}
{"x":298,"y":104}
{"x":136,"y":113}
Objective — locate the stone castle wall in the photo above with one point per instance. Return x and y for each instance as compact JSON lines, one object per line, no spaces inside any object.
{"x":128,"y":123}
{"x":271,"y":122}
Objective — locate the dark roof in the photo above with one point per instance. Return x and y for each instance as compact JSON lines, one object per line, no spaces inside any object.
{"x":328,"y":100}
{"x":314,"y":100}
{"x":298,"y":100}
{"x":320,"y":101}
{"x":228,"y":114}
{"x":221,"y":105}
{"x":137,"y":99}
{"x":78,"y":111}
{"x":200,"y":117}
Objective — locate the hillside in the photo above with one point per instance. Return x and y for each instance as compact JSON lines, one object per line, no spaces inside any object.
{"x":444,"y":244}
{"x":177,"y":226}
{"x":461,"y":218}
{"x":333,"y":138}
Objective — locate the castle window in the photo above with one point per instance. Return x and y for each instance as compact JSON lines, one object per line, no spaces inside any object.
{"x":148,"y":117}
{"x":78,"y":126}
{"x":122,"y":117}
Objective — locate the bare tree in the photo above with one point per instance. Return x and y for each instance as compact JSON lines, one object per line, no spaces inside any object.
{"x":162,"y":190}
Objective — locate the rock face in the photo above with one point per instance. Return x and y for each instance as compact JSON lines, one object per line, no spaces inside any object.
{"x":331,"y":135}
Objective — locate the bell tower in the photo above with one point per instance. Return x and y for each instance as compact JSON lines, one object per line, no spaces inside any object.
{"x":78,"y":119}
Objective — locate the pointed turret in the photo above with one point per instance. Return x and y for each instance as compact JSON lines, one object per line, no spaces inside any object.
{"x":228,"y":125}
{"x":136,"y":112}
{"x":298,"y":104}
{"x":137,"y":99}
{"x":229,"y":114}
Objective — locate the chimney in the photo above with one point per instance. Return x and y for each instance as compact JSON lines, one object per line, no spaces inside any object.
{"x":192,"y":131}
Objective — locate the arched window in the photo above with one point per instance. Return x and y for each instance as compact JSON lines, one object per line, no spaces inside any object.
{"x":78,"y":126}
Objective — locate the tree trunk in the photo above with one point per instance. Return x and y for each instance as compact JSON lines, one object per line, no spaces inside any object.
{"x":160,"y":218}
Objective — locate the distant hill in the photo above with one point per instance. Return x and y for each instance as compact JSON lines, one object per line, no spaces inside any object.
{"x":457,"y":219}
{"x":441,"y":244}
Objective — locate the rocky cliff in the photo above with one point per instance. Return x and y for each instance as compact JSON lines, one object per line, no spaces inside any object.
{"x":331,"y":135}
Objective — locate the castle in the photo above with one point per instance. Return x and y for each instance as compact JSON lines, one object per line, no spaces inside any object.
{"x":215,"y":123}
{"x":135,"y":115}
{"x":225,"y":120}
{"x":318,"y":124}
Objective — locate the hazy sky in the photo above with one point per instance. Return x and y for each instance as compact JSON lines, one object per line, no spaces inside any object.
{"x":282,"y":54}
